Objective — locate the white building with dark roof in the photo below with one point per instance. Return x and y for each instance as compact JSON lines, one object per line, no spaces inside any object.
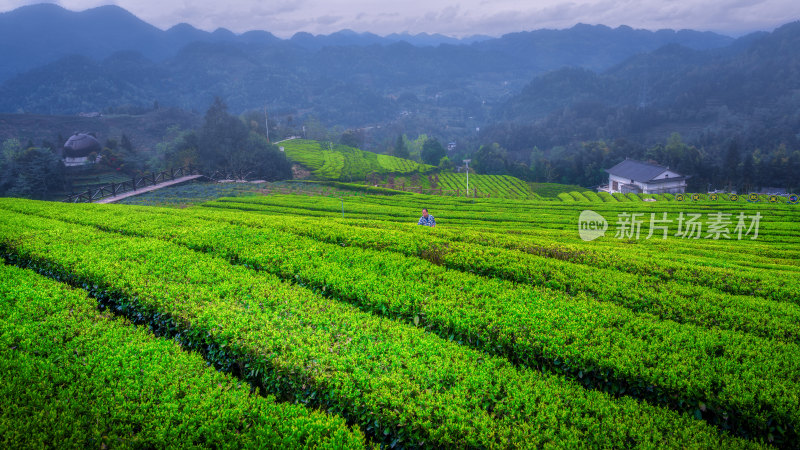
{"x":643,"y":178}
{"x":78,"y":148}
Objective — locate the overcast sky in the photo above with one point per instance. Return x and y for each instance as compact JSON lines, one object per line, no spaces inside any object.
{"x":455,"y":18}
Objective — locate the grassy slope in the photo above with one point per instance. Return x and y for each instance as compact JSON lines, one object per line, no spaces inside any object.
{"x":343,"y":163}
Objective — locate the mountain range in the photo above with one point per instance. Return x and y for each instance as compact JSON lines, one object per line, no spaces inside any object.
{"x":63,"y":62}
{"x":748,"y":91}
{"x":38,"y":34}
{"x":541,"y":88}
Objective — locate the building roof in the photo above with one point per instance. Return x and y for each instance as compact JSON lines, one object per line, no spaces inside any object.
{"x":81,"y":145}
{"x":639,"y":171}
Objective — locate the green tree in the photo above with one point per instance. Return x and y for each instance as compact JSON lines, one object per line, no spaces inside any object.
{"x":731,"y":164}
{"x":180,"y":151}
{"x":31,"y":173}
{"x":779,"y":168}
{"x":256,"y":121}
{"x":225,"y":146}
{"x":400,"y":148}
{"x":432,"y":152}
{"x":220,"y":136}
{"x":12,"y":149}
{"x":121,"y":157}
{"x":259,"y":159}
{"x":314,"y":129}
{"x":490,"y":159}
{"x":415,"y":147}
{"x":126,"y":144}
{"x":793,"y":183}
{"x":521,"y":171}
{"x":748,"y":173}
{"x":352,"y":138}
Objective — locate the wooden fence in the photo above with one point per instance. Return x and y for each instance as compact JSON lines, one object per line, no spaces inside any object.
{"x":114,"y":189}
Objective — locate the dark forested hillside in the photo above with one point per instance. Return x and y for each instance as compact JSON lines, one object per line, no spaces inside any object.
{"x":649,"y":96}
{"x":40,"y":34}
{"x":734,"y":111}
{"x":145,"y":130}
{"x":346,"y":78}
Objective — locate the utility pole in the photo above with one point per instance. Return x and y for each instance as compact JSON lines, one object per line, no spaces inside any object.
{"x":467,"y":161}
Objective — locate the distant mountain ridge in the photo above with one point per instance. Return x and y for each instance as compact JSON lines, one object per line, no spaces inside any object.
{"x":350,"y":37}
{"x":35,"y":35}
{"x":593,"y":46}
{"x":747,"y":93}
{"x":753,"y":72}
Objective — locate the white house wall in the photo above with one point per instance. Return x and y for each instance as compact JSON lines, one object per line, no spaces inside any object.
{"x":667,"y":174}
{"x":648,"y":188}
{"x":71,"y":162}
{"x":620,"y":181}
{"x":665,"y":187}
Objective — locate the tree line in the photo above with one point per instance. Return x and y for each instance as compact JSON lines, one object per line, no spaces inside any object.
{"x":225,"y":146}
{"x":584,"y":163}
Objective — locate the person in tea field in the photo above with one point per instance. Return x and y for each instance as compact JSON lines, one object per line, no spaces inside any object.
{"x":426,"y":219}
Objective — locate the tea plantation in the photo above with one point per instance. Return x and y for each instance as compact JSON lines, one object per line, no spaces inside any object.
{"x":289,"y":320}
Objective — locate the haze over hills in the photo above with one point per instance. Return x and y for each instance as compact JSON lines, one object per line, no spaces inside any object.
{"x":107,"y":59}
{"x":34,"y":35}
{"x":748,"y":89}
{"x":37,"y":34}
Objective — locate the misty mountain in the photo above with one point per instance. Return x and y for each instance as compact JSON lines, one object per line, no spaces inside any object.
{"x":345,"y":38}
{"x":746,"y":92}
{"x":595,"y":47}
{"x":345,"y":78}
{"x":39,"y":34}
{"x":425,"y":39}
{"x":35,"y":35}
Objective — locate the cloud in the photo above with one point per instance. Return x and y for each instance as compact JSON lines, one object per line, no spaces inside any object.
{"x":465,"y":17}
{"x":327,"y":20}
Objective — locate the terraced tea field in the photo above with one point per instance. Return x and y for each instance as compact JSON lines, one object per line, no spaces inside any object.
{"x":340,"y":162}
{"x":498,"y":186}
{"x":338,"y":322}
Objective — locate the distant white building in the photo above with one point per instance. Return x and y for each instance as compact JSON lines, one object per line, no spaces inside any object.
{"x":643,"y":178}
{"x":773,"y":191}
